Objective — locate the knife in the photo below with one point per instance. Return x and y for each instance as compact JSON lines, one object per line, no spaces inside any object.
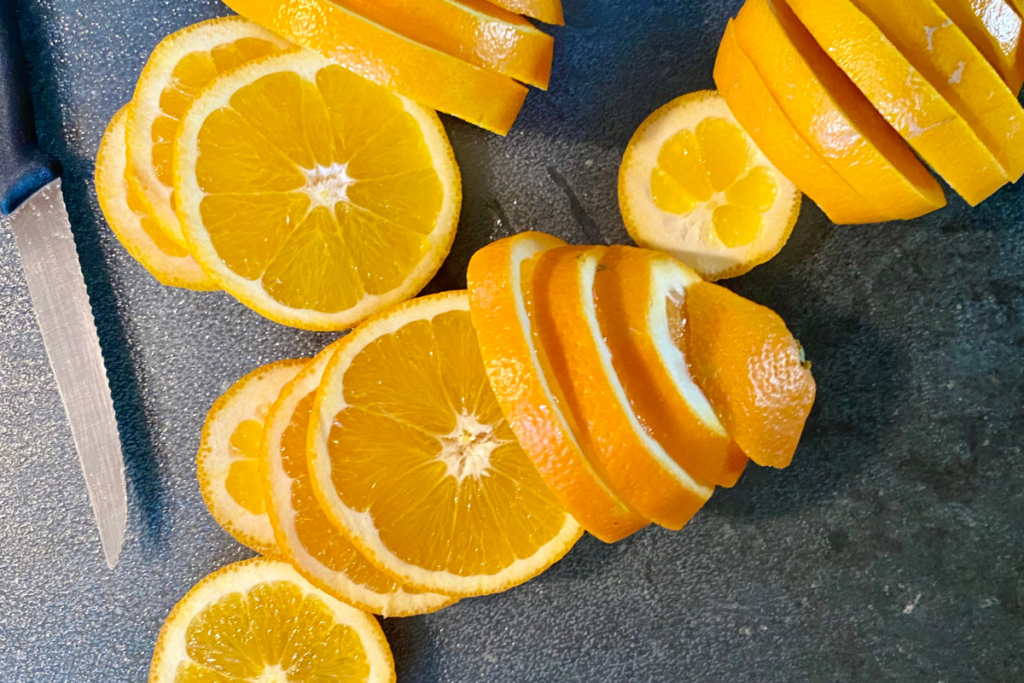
{"x":33,"y":204}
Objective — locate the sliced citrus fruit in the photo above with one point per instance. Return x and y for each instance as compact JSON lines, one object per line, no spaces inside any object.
{"x":500,"y":296}
{"x":759,"y":113}
{"x":747,"y":363}
{"x":995,"y":29}
{"x":694,"y":184}
{"x":633,"y":464}
{"x":412,"y":458}
{"x":228,"y":465}
{"x":548,"y":11}
{"x":180,"y":66}
{"x":428,"y":76}
{"x":639,"y":294}
{"x":903,"y":96}
{"x":304,"y":534}
{"x":136,"y":230}
{"x":259,"y":621}
{"x":313,"y":195}
{"x":833,"y":115}
{"x":475,"y":31}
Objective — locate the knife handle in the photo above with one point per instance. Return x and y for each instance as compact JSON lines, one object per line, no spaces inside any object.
{"x":24,"y":168}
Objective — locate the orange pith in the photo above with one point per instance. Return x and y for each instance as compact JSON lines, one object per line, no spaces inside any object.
{"x":832,"y":114}
{"x":548,"y":11}
{"x":995,"y":29}
{"x":901,"y":94}
{"x":428,"y":76}
{"x":751,"y":369}
{"x":629,"y":460}
{"x":500,"y":305}
{"x":761,"y":116}
{"x":638,"y":294}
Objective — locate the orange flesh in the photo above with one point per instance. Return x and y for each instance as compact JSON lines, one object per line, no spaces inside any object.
{"x":243,"y":480}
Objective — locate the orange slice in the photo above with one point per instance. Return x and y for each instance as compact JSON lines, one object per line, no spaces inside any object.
{"x":228,"y":464}
{"x":304,"y":534}
{"x":903,"y":96}
{"x":181,"y":66}
{"x":312,"y":195}
{"x":759,"y":113}
{"x":136,"y":230}
{"x":995,"y":29}
{"x":548,"y":11}
{"x":832,"y":115}
{"x":475,"y":31}
{"x":747,"y":363}
{"x":258,"y":621}
{"x":500,"y":298}
{"x":639,"y":295}
{"x":412,"y":459}
{"x":633,"y":464}
{"x":428,"y":76}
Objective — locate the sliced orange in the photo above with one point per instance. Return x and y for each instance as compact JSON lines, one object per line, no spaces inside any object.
{"x":181,"y":66}
{"x":304,"y":534}
{"x":136,"y":230}
{"x":633,"y":464}
{"x":228,"y":464}
{"x":313,"y":195}
{"x":428,"y":76}
{"x":995,"y":29}
{"x":475,"y":31}
{"x":833,"y":115}
{"x":639,"y":294}
{"x":500,"y":298}
{"x":412,"y":459}
{"x":258,"y":621}
{"x":747,"y":363}
{"x":904,"y":96}
{"x":548,"y":11}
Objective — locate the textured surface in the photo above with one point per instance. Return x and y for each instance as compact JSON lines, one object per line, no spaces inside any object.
{"x":893,"y":549}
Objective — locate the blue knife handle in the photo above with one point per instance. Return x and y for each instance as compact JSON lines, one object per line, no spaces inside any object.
{"x":24,"y":168}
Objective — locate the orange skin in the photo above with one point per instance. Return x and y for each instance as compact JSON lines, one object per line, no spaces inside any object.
{"x":548,"y":11}
{"x":995,"y":29}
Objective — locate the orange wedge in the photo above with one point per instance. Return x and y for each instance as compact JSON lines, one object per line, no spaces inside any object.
{"x":475,"y":31}
{"x":428,"y":76}
{"x":500,"y":304}
{"x":762,"y":118}
{"x":832,"y":115}
{"x":903,"y":96}
{"x":995,"y":29}
{"x":937,"y":48}
{"x":639,"y":294}
{"x":633,"y":464}
{"x":548,"y":11}
{"x":753,"y":372}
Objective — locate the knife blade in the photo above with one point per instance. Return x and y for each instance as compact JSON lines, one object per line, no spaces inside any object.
{"x":32,"y":200}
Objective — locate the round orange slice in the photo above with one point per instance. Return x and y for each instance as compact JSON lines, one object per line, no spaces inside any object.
{"x":500,"y":296}
{"x":135,"y":229}
{"x":412,"y":459}
{"x":633,"y":464}
{"x":995,"y":29}
{"x":639,"y":296}
{"x":228,"y":464}
{"x":753,"y":372}
{"x":304,"y":534}
{"x":548,"y":11}
{"x":833,"y":115}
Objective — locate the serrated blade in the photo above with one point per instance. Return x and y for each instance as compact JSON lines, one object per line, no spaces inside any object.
{"x":54,"y":274}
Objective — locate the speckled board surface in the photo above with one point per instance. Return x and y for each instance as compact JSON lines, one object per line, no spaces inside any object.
{"x":893,"y":549}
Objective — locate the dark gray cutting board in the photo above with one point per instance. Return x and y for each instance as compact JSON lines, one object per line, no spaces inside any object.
{"x":892,"y":550}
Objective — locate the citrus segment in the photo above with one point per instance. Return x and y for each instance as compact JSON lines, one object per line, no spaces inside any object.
{"x":428,"y":76}
{"x":259,"y":621}
{"x":903,"y":96}
{"x":411,"y":457}
{"x":179,"y":68}
{"x":833,"y":115}
{"x":304,"y":534}
{"x":229,"y":454}
{"x":995,"y":29}
{"x":313,"y":195}
{"x":692,"y":183}
{"x":751,"y":369}
{"x":639,"y":294}
{"x":500,"y":296}
{"x":548,"y":11}
{"x":632,"y":463}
